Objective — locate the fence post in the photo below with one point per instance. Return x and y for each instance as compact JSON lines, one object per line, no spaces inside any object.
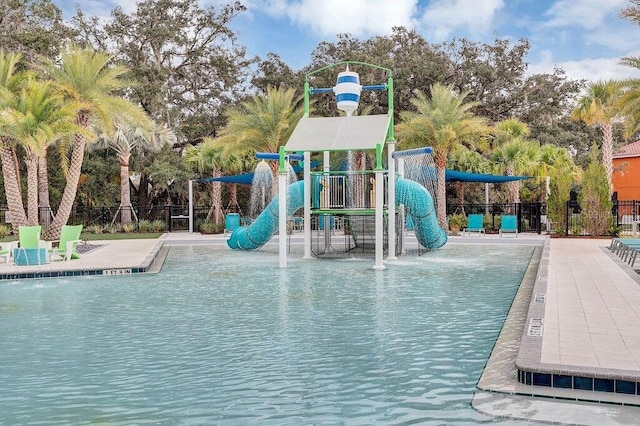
{"x":566,"y":218}
{"x":167,"y":217}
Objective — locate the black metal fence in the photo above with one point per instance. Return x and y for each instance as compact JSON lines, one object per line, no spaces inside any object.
{"x":532,"y":217}
{"x":172,"y":218}
{"x":624,"y":218}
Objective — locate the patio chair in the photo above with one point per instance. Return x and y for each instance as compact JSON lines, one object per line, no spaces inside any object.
{"x":69,"y":239}
{"x":475,"y":223}
{"x":5,"y":250}
{"x":509,"y":224}
{"x":31,"y":250}
{"x":29,"y":236}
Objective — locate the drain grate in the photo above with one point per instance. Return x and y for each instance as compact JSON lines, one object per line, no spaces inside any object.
{"x":539,"y":298}
{"x":535,"y":327}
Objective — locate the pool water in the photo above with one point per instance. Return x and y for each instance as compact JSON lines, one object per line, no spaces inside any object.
{"x":221,"y":337}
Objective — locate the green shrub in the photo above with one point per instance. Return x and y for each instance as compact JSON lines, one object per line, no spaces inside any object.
{"x":158,"y":226}
{"x":211,"y":228}
{"x":114,"y":229}
{"x":595,"y":197}
{"x":576,"y":229}
{"x":5,"y":230}
{"x":456,"y":223}
{"x":615,"y":231}
{"x":144,"y":225}
{"x":94,"y":229}
{"x":129,"y":227}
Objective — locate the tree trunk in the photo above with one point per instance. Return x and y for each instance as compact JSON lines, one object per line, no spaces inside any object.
{"x":460,"y":196}
{"x":32,"y":189}
{"x":43,"y":192}
{"x":274,"y":165}
{"x":12,"y":188}
{"x":144,"y":202}
{"x":233,"y":197}
{"x":216,"y":197}
{"x":125,"y":192}
{"x":441,"y":196}
{"x":607,"y":151}
{"x":513,"y":186}
{"x":71,"y":187}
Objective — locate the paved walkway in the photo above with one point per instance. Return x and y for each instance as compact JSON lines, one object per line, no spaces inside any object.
{"x":589,"y":303}
{"x":585,"y":320}
{"x":592,"y":315}
{"x":104,"y":255}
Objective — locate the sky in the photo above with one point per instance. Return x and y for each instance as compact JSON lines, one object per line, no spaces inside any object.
{"x":586,"y":38}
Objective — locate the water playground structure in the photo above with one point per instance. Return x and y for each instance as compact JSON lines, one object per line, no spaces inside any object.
{"x":366,"y":201}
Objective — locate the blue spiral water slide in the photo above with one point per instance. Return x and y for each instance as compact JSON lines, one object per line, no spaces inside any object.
{"x":421,"y":208}
{"x":261,"y":230}
{"x":414,"y":196}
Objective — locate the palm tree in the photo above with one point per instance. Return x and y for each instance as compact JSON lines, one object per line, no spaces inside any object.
{"x":441,"y":122}
{"x":239,"y":162}
{"x":88,"y":81}
{"x":514,"y":154}
{"x":266,"y":122}
{"x":597,"y":108}
{"x":35,"y":120}
{"x":628,"y":104}
{"x":10,"y":81}
{"x":210,"y":156}
{"x":129,"y":137}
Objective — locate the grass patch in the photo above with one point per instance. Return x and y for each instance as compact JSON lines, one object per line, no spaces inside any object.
{"x":122,"y":236}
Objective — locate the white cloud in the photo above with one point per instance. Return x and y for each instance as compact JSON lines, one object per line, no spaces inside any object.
{"x":442,"y":18}
{"x":591,"y":69}
{"x":588,"y":14}
{"x":356,"y":17}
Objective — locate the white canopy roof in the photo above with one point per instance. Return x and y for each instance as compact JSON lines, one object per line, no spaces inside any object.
{"x":355,"y":133}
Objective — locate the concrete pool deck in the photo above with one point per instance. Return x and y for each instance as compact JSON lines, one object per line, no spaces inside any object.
{"x":588,"y":301}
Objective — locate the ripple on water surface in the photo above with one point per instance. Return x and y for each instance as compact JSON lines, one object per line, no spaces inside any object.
{"x":221,"y":337}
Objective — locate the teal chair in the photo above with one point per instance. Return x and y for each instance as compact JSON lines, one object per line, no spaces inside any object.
{"x":69,"y":239}
{"x":475,"y":223}
{"x":509,"y":224}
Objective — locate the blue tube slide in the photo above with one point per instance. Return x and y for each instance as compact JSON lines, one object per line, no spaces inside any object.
{"x":266,"y":224}
{"x":421,"y":209}
{"x":414,"y":196}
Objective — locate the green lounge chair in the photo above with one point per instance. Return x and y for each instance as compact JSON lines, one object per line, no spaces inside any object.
{"x":31,"y":250}
{"x":475,"y":223}
{"x":69,"y":239}
{"x":509,"y":224}
{"x":29,"y":236}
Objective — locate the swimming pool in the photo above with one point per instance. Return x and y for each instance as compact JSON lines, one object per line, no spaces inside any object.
{"x":222,"y":337}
